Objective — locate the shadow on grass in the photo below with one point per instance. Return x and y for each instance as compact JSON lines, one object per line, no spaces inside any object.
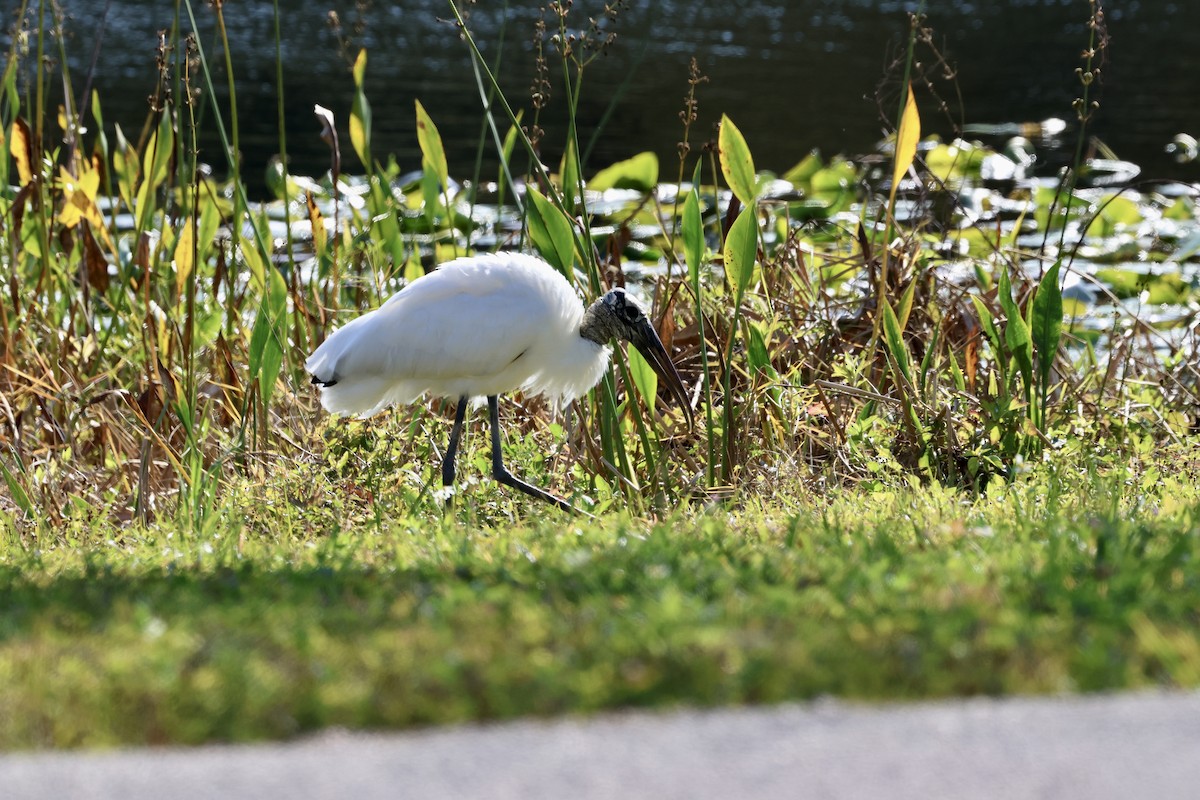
{"x":544,"y":622}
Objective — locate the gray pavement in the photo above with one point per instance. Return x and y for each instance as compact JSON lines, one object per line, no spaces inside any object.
{"x":1095,"y":747}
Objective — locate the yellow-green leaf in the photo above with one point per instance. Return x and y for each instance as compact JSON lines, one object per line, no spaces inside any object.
{"x":360,"y":68}
{"x":737,"y":165}
{"x":255,"y":263}
{"x":906,"y":304}
{"x":805,"y":168}
{"x":360,"y":128}
{"x":906,"y":143}
{"x":21,"y":147}
{"x":741,"y":248}
{"x":413,"y":268}
{"x":431,"y":146}
{"x":183,"y":255}
{"x":644,"y":377}
{"x":158,"y":156}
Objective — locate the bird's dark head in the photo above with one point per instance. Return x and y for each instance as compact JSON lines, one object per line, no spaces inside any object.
{"x":617,"y":315}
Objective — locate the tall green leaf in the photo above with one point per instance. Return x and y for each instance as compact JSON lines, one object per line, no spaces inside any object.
{"x":692,"y":229}
{"x":741,"y":247}
{"x":894,"y":336}
{"x":430,"y":141}
{"x":550,"y":231}
{"x":568,"y":172}
{"x":155,"y":159}
{"x":1047,"y":320}
{"x":1016,"y":332}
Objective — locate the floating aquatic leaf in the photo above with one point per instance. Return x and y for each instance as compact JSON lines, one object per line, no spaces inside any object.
{"x":837,"y":177}
{"x":639,"y":173}
{"x":804,"y":171}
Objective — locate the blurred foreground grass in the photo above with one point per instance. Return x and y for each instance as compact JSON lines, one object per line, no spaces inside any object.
{"x":1070,"y":580}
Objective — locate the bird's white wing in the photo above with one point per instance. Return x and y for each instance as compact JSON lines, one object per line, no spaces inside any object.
{"x":457,"y":331}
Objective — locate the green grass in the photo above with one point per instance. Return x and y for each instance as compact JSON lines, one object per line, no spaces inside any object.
{"x":1065,"y":581}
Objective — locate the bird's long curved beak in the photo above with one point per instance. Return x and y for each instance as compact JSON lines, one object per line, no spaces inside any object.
{"x":646,"y":340}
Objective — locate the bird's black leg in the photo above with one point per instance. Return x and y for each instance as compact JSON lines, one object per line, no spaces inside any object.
{"x":507,"y":478}
{"x":452,"y":448}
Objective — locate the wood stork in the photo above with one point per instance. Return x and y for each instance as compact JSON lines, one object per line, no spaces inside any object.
{"x":481,"y":326}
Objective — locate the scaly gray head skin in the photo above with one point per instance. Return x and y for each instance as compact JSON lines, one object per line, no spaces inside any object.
{"x":616,"y":315}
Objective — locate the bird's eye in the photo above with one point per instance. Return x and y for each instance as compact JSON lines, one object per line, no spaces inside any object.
{"x":630,"y":312}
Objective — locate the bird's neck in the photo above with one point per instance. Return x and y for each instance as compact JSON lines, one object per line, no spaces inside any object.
{"x":594,"y":327}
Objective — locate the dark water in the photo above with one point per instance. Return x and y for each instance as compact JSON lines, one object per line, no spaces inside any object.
{"x":794,"y":75}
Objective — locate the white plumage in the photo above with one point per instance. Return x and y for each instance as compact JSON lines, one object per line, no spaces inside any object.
{"x":474,"y":327}
{"x":482,"y":326}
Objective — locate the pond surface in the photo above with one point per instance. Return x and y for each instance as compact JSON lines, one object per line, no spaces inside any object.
{"x":794,"y":74}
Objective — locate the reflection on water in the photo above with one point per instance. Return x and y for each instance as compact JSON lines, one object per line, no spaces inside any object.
{"x":794,"y":74}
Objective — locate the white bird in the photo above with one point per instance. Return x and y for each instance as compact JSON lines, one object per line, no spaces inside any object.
{"x":482,"y":326}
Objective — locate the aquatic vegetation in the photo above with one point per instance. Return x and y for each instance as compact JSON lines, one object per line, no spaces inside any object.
{"x":952,"y":299}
